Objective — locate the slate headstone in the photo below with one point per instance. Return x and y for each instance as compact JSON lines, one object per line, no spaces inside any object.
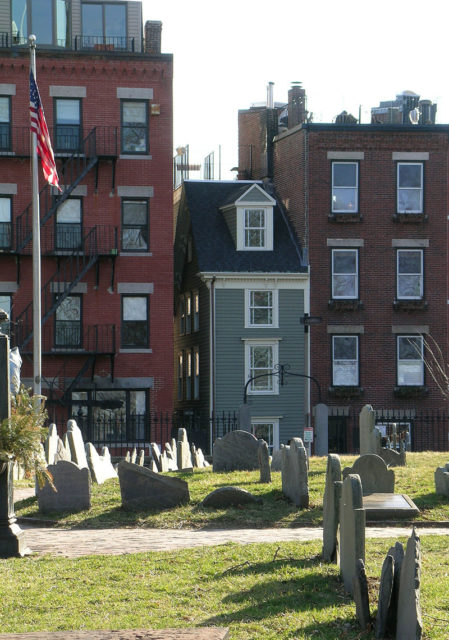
{"x":134,"y":456}
{"x":264,"y":462}
{"x":370,"y":437}
{"x":361,"y":597}
{"x":352,"y":530}
{"x":141,"y":488}
{"x":156,"y":454}
{"x":409,"y":621}
{"x":51,"y":444}
{"x":76,"y":444}
{"x":393,"y":458}
{"x":236,"y":451}
{"x":384,"y":601}
{"x":73,"y":488}
{"x":183,"y":451}
{"x":331,"y":506}
{"x":442,"y":480}
{"x":276,"y":460}
{"x":295,"y":482}
{"x":374,"y":474}
{"x":141,"y":458}
{"x":62,"y":453}
{"x":397,"y":553}
{"x":100,"y":467}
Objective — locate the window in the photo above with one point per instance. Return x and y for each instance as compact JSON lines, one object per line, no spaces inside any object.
{"x":182,"y":315}
{"x":261,"y":308}
{"x":67,"y":124}
{"x":135,"y":322}
{"x":47,"y":19}
{"x":345,"y":273}
{"x":68,"y":323}
{"x":410,"y":354}
{"x":255,"y":228}
{"x":180,"y":374}
{"x":104,"y":25}
{"x":134,"y":126}
{"x":410,"y":285}
{"x":261,"y":357}
{"x":68,"y":225}
{"x":135,"y":228}
{"x":410,"y":187}
{"x":5,"y":123}
{"x":5,"y":223}
{"x":196,"y":373}
{"x":188,"y":300}
{"x":345,"y":191}
{"x":189,"y":376}
{"x":6,"y":305}
{"x":268,"y":430}
{"x":345,"y":361}
{"x":196,"y":311}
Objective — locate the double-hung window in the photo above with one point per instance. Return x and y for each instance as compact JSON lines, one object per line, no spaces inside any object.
{"x":266,"y":429}
{"x":409,"y":274}
{"x":410,"y":187}
{"x":182,"y":315}
{"x":135,"y":227}
{"x":68,"y":124}
{"x":410,"y":360}
{"x":345,"y":274}
{"x":189,"y":371}
{"x":196,"y":373}
{"x":135,"y":332}
{"x":345,"y":187}
{"x":196,"y":311}
{"x":5,"y":223}
{"x":68,"y":323}
{"x":260,"y":358}
{"x":5,"y":123}
{"x":188,"y":302}
{"x":180,"y":375}
{"x":255,"y":228}
{"x":345,"y":360}
{"x":134,"y":129}
{"x":68,"y":224}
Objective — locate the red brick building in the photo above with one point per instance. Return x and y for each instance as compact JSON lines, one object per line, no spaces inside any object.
{"x":106,"y":241}
{"x":369,"y":204}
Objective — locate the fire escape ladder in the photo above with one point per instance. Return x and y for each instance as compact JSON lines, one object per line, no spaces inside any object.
{"x":90,"y":362}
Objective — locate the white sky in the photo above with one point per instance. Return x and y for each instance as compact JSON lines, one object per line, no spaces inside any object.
{"x":346,"y":54}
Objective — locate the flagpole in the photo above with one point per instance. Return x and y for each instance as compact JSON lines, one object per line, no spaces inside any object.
{"x":37,"y":350}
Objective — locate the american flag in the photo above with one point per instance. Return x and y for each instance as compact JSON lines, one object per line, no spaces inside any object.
{"x":39,"y":127}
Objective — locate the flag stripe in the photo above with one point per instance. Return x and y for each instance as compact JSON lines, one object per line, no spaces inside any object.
{"x":39,"y":127}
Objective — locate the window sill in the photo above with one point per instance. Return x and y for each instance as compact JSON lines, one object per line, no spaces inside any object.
{"x":410,"y":305}
{"x":131,"y":156}
{"x":135,"y":254}
{"x":132,"y":350}
{"x":410,"y":217}
{"x":342,"y":391}
{"x":407,"y":391}
{"x":345,"y":217}
{"x":345,"y":305}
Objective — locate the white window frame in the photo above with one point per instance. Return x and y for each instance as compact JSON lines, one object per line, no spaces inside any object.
{"x":273,"y":444}
{"x":354,"y":276}
{"x":420,"y":274}
{"x":196,"y":311}
{"x":274,"y":308}
{"x":355,"y":188}
{"x":196,"y":373}
{"x":182,"y":315}
{"x":267,"y":228}
{"x":340,"y":362}
{"x":272,"y":381}
{"x":188,"y":310}
{"x":419,"y":360}
{"x":180,"y":375}
{"x":189,"y":375}
{"x":420,"y":189}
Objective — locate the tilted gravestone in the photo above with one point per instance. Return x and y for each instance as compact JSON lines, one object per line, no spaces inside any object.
{"x":295,"y":481}
{"x":73,"y":488}
{"x":76,"y":444}
{"x":100,"y":467}
{"x":183,"y":450}
{"x":236,"y":451}
{"x":62,"y":453}
{"x":361,"y":597}
{"x":134,"y":456}
{"x":264,"y":462}
{"x":374,"y":474}
{"x":141,"y":488}
{"x":51,"y":444}
{"x":388,"y":592}
{"x":171,"y":457}
{"x":352,"y":530}
{"x":409,"y":622}
{"x":442,"y":480}
{"x":156,"y":455}
{"x":370,"y":437}
{"x":331,"y":505}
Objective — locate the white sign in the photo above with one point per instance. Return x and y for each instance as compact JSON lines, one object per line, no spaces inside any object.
{"x":308,"y":434}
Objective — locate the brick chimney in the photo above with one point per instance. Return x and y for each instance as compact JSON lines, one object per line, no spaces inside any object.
{"x":153,"y":31}
{"x":296,"y":105}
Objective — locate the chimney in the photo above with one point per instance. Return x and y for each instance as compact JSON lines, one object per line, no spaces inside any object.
{"x":270,"y":99}
{"x":296,"y":105}
{"x":153,"y":30}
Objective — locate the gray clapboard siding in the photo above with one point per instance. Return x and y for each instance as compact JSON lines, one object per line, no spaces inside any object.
{"x":135,"y":23}
{"x":5,"y":17}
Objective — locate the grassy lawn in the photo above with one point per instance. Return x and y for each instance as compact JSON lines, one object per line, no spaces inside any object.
{"x":416,"y":480}
{"x":259,"y":591}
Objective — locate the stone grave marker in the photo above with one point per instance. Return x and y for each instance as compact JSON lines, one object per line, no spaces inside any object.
{"x":352,"y":530}
{"x":156,"y":454}
{"x":384,"y":601}
{"x":73,"y":488}
{"x":183,"y":451}
{"x":171,"y":457}
{"x":441,"y":477}
{"x":331,"y":506}
{"x":264,"y":462}
{"x":100,"y":467}
{"x":128,"y":456}
{"x":370,"y":436}
{"x":409,"y":621}
{"x":141,"y":488}
{"x":393,"y":458}
{"x":295,"y":482}
{"x":374,"y":474}
{"x":61,"y":452}
{"x":236,"y":451}
{"x":76,"y":444}
{"x":361,"y":597}
{"x":276,"y":460}
{"x":141,"y":458}
{"x":51,"y":444}
{"x":134,"y":456}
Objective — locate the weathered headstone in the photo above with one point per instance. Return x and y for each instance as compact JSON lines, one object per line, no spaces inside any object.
{"x":370,"y":437}
{"x":352,"y":530}
{"x":397,"y":553}
{"x":128,"y":456}
{"x":198,"y":459}
{"x":393,"y":458}
{"x":51,"y":444}
{"x":321,"y":429}
{"x":183,"y":449}
{"x":61,"y":452}
{"x":164,"y":462}
{"x":100,"y":467}
{"x":264,"y":462}
{"x":156,"y":454}
{"x":236,"y":451}
{"x":153,"y":466}
{"x":442,"y":480}
{"x":361,"y":597}
{"x":409,"y":622}
{"x":276,"y":460}
{"x":295,"y":482}
{"x":171,"y":457}
{"x":134,"y":456}
{"x":331,"y":506}
{"x":230,"y":496}
{"x":73,"y":488}
{"x":384,"y":601}
{"x":76,"y":444}
{"x":374,"y":474}
{"x":141,"y":458}
{"x":141,"y":488}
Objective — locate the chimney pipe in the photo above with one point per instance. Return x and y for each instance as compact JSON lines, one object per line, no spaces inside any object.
{"x":270,"y":100}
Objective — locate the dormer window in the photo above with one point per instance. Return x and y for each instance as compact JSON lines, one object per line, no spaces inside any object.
{"x":255,"y":228}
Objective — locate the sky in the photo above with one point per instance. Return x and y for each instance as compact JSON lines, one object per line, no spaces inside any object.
{"x":347,"y":55}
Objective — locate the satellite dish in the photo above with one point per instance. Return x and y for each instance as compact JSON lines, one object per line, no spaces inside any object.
{"x":414,"y":116}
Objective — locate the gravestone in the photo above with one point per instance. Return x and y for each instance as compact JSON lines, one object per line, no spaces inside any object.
{"x":51,"y":444}
{"x":183,"y":449}
{"x":76,"y":444}
{"x":388,"y":592}
{"x":361,"y":597}
{"x":73,"y":488}
{"x":409,"y":622}
{"x":276,"y":460}
{"x":153,"y":466}
{"x":393,"y":458}
{"x":321,"y":429}
{"x":352,"y":530}
{"x":236,"y":451}
{"x":61,"y":452}
{"x":134,"y":456}
{"x":171,"y":457}
{"x":370,"y":437}
{"x":128,"y":456}
{"x":141,"y":488}
{"x":264,"y":462}
{"x":164,"y":462}
{"x":295,"y":483}
{"x":230,"y":496}
{"x":141,"y":458}
{"x":156,"y":454}
{"x":100,"y":467}
{"x":331,"y":506}
{"x":374,"y":474}
{"x":442,"y":480}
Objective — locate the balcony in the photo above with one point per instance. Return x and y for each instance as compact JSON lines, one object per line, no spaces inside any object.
{"x":70,"y":338}
{"x":79,"y":43}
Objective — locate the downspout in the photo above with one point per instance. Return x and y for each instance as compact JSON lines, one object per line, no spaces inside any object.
{"x":307,"y":306}
{"x":212,"y":359}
